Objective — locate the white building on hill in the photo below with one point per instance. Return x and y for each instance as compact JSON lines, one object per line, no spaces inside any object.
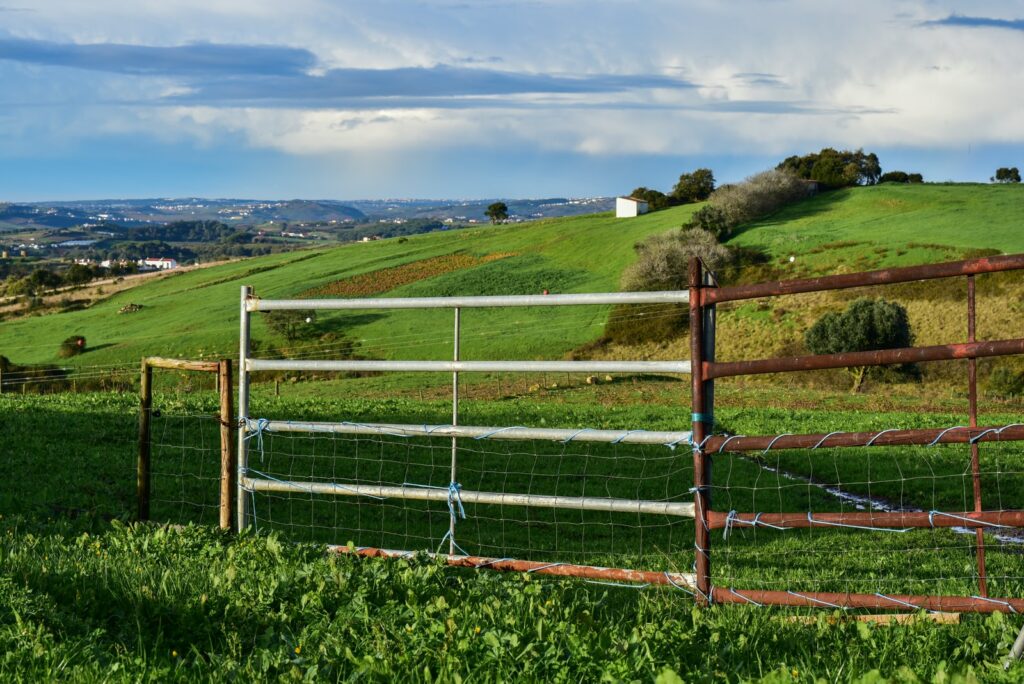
{"x":628,"y":207}
{"x":158,"y":264}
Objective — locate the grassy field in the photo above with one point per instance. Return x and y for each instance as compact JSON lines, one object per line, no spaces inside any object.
{"x":193,"y":314}
{"x":196,"y":313}
{"x":84,"y":594}
{"x":892,"y":225}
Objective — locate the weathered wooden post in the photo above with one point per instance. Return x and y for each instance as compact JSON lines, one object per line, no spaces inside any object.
{"x":228,"y":460}
{"x":145,"y":411}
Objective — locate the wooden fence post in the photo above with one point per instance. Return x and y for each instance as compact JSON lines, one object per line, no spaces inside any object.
{"x":228,"y":453}
{"x":145,"y":411}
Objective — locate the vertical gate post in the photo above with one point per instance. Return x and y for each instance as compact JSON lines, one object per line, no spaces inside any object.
{"x":241,"y":500}
{"x":455,"y":421}
{"x":145,"y":412}
{"x":972,"y":400}
{"x":228,"y":462}
{"x":700,"y":419}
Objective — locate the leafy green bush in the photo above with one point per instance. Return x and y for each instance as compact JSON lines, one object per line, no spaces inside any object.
{"x":712,"y":219}
{"x":72,"y":346}
{"x":866,"y":325}
{"x":663,"y":263}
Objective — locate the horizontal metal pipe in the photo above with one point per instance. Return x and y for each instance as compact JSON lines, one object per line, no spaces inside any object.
{"x":472,"y":366}
{"x":818,"y":599}
{"x":182,"y":364}
{"x":584,"y":503}
{"x":881,"y":357}
{"x":499,"y":301}
{"x":874,"y":519}
{"x":678,"y":579}
{"x":477,"y":432}
{"x":924,"y":436}
{"x":884,"y":276}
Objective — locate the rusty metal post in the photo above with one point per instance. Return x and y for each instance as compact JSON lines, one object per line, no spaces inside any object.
{"x":700,"y":421}
{"x":228,"y":461}
{"x":972,"y":400}
{"x":145,"y":412}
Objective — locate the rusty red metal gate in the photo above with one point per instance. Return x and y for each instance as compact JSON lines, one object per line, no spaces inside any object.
{"x":703,"y":297}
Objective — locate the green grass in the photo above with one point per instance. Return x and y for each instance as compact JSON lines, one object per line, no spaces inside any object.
{"x":86,"y":595}
{"x":196,"y":313}
{"x":909,"y":224}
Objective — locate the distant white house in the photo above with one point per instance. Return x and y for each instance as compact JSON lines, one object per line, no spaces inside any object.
{"x":158,"y":264}
{"x":628,"y":207}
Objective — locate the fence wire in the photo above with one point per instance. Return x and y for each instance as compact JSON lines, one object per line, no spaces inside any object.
{"x":575,"y":469}
{"x":855,"y":558}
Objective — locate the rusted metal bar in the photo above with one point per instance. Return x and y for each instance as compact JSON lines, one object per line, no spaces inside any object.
{"x":701,"y":425}
{"x":182,"y":364}
{"x":142,"y":474}
{"x":972,"y":403}
{"x":228,"y":462}
{"x":885,"y":276}
{"x":919,"y":436}
{"x":881,"y":357}
{"x":680,"y":580}
{"x":818,"y":599}
{"x":873,"y":519}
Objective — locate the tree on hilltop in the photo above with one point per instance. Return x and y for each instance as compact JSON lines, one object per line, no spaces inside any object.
{"x":497,"y":212}
{"x":694,"y":187}
{"x":1006,"y":175}
{"x":835,"y":168}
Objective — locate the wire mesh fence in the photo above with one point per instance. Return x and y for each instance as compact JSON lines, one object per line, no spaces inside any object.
{"x":844,"y":554}
{"x":534,"y":469}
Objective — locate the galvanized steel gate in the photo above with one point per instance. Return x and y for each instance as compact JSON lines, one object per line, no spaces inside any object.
{"x":702,"y":296}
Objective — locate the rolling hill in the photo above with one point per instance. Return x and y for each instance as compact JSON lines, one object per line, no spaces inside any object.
{"x":195,"y":314}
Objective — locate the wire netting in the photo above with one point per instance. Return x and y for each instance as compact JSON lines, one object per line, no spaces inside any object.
{"x":574,"y":469}
{"x":852,"y":557}
{"x":185,"y":467}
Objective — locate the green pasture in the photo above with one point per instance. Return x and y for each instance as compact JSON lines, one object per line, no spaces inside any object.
{"x":83,"y":594}
{"x":196,"y":313}
{"x":892,"y":225}
{"x":87,"y":594}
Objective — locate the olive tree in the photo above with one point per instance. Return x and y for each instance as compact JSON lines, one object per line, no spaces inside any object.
{"x":865,"y":325}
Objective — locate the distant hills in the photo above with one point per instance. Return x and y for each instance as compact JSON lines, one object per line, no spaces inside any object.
{"x":251,"y":212}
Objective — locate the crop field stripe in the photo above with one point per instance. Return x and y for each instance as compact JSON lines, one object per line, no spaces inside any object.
{"x":427,"y":493}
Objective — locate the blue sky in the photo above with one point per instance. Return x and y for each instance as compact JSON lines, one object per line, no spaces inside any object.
{"x":489,"y":98}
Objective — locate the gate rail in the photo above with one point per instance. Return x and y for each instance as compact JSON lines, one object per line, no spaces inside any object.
{"x":704,"y":296}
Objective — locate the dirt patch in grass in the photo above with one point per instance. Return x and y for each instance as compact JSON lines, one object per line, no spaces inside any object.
{"x":386,"y":279}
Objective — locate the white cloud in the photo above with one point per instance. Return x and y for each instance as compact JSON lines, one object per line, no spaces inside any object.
{"x":774,"y":77}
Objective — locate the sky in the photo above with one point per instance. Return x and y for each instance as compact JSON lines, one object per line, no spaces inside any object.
{"x":362,"y":99}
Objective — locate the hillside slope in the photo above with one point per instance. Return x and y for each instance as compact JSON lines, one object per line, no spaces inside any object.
{"x":193,"y":314}
{"x":196,"y":314}
{"x":892,"y":225}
